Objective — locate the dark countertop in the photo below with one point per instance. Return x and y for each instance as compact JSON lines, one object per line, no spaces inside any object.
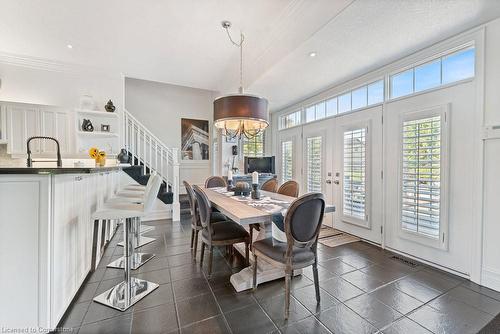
{"x":57,"y":170}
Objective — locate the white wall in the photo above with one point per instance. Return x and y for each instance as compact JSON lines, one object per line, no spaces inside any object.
{"x":160,"y":108}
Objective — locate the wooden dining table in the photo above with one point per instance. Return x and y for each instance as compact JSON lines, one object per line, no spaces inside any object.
{"x":246,"y":211}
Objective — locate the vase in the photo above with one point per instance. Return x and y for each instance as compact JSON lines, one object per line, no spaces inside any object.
{"x":110,"y":107}
{"x":87,"y":102}
{"x":123,"y":157}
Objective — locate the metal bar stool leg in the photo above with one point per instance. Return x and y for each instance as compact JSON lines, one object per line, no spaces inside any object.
{"x":140,"y":240}
{"x":132,"y":289}
{"x":137,"y":259}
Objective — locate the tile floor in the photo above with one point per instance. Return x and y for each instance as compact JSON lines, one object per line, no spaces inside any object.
{"x":363,"y":290}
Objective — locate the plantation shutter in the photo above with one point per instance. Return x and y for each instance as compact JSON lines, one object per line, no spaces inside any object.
{"x":314,"y":164}
{"x":286,"y":161}
{"x":354,"y":185}
{"x":421,"y":176}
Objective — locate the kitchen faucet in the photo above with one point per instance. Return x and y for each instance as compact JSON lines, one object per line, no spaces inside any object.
{"x":30,"y":161}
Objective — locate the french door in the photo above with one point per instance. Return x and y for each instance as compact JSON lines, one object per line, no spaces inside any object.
{"x":357,"y":165}
{"x":289,"y":151}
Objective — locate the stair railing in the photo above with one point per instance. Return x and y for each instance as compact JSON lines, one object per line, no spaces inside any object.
{"x":154,"y":156}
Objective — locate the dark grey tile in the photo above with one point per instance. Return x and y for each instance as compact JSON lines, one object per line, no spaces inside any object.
{"x":482,"y":290}
{"x":249,"y":320}
{"x":117,"y":325}
{"x":341,"y":319}
{"x":307,"y":297}
{"x":220,"y":279}
{"x":363,"y":281}
{"x":340,"y":288}
{"x":463,"y":319}
{"x":179,"y":260}
{"x":336,"y":266}
{"x":112,"y":273}
{"x":192,"y":270}
{"x":323,"y":274}
{"x":107,"y":284}
{"x":97,"y":275}
{"x":396,"y":299}
{"x":87,"y":292}
{"x":300,"y":281}
{"x":161,"y":276}
{"x":155,"y":263}
{"x":98,"y":312}
{"x":416,"y":290}
{"x":269,"y":289}
{"x":383,"y":274}
{"x":196,"y":309}
{"x":469,"y":297}
{"x":356,"y":261}
{"x":215,"y":325}
{"x":75,"y":315}
{"x":405,"y":325}
{"x":190,"y":287}
{"x":275,"y":308}
{"x":434,"y":280}
{"x":373,"y":310}
{"x":230,"y":300}
{"x":310,"y":325}
{"x":159,"y":319}
{"x":161,"y":295}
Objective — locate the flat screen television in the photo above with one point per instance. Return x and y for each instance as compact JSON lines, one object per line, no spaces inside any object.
{"x":261,"y":165}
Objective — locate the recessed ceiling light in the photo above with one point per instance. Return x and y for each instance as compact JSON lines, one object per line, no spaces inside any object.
{"x":69,"y":46}
{"x":313,"y":54}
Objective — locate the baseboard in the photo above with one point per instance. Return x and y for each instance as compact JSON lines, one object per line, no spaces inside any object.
{"x":490,"y":278}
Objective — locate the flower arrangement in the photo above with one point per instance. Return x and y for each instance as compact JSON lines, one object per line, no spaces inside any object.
{"x":98,"y":156}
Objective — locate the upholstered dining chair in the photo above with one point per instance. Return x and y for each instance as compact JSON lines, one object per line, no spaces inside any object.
{"x":215,"y":181}
{"x":270,"y":185}
{"x":195,"y":220}
{"x":217,"y":234}
{"x":289,"y":188}
{"x":302,"y":225}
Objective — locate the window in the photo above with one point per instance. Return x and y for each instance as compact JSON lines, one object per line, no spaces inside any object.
{"x":354,"y":182}
{"x":376,"y":92}
{"x":421,"y":176}
{"x":286,"y":161}
{"x":254,"y":147}
{"x":331,"y":107}
{"x":314,"y":164}
{"x":289,"y":120}
{"x":344,"y":103}
{"x":310,"y":114}
{"x":440,"y":71}
{"x":359,"y":98}
{"x":316,"y":111}
{"x":402,"y":84}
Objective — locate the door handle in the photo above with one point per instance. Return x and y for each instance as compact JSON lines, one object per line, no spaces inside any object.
{"x":328,"y":181}
{"x":336,"y":182}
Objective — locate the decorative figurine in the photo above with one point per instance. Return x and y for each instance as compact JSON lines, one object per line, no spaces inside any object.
{"x":87,"y":125}
{"x":110,"y":106}
{"x":123,"y":157}
{"x":241,"y":189}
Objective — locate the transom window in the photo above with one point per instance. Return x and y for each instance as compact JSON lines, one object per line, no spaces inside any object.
{"x":441,"y":71}
{"x":254,"y":147}
{"x":286,"y":161}
{"x":421,"y":175}
{"x":354,"y":181}
{"x":289,"y":120}
{"x":314,"y":164}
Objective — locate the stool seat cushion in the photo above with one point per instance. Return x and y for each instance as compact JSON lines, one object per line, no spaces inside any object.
{"x":130,"y":193}
{"x":226,"y":230}
{"x":276,"y":250}
{"x":120,"y":199}
{"x":111,"y":213}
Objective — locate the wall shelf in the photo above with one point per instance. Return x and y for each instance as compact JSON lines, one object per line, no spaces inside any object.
{"x":97,"y":113}
{"x":97,"y":134}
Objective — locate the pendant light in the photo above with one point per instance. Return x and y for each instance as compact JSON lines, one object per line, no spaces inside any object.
{"x":238,"y":115}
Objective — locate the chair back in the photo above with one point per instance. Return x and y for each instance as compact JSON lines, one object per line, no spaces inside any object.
{"x":192,"y":203}
{"x":215,"y":181}
{"x":289,"y":188}
{"x":204,"y":209}
{"x":270,"y":185}
{"x":151,"y":192}
{"x":303,"y":221}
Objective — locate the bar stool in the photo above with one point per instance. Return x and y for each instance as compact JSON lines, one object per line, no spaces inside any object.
{"x":131,"y":290}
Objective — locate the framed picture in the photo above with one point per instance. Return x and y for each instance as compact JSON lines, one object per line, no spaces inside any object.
{"x":195,"y":142}
{"x":105,"y":127}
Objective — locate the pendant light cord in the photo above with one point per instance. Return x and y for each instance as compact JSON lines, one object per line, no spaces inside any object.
{"x":239,"y":45}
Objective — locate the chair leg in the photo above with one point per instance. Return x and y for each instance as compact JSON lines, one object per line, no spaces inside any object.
{"x":210,"y":259}
{"x":192,"y":238}
{"x":254,"y":271}
{"x":288,"y":274}
{"x":316,"y":281}
{"x":247,"y":254}
{"x":251,"y":236}
{"x":195,"y":244}
{"x":202,"y":253}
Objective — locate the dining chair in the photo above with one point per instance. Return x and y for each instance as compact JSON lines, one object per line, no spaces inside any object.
{"x":195,"y":221}
{"x":215,"y":181}
{"x":217,"y":234}
{"x":289,"y":188}
{"x":302,"y":225}
{"x":270,"y":185}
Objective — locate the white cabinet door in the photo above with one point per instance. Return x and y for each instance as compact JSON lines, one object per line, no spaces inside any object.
{"x":54,"y":124}
{"x":23,"y":122}
{"x":3,"y":124}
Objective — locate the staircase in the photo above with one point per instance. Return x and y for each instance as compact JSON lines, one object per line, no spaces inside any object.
{"x":148,"y":155}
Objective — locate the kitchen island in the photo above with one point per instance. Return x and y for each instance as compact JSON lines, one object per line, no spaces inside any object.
{"x":46,"y":239}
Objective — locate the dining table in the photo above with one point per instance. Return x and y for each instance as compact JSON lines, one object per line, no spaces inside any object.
{"x":268,"y":212}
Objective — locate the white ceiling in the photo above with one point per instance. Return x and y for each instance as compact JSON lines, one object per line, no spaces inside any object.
{"x":181,"y":41}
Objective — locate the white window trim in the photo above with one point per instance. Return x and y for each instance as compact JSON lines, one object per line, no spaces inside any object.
{"x":442,"y":241}
{"x":282,"y":140}
{"x":365,"y":223}
{"x":321,"y":134}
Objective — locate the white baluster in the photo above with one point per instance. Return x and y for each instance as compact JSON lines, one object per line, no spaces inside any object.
{"x":176,"y":208}
{"x":150,"y":154}
{"x":144,"y":153}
